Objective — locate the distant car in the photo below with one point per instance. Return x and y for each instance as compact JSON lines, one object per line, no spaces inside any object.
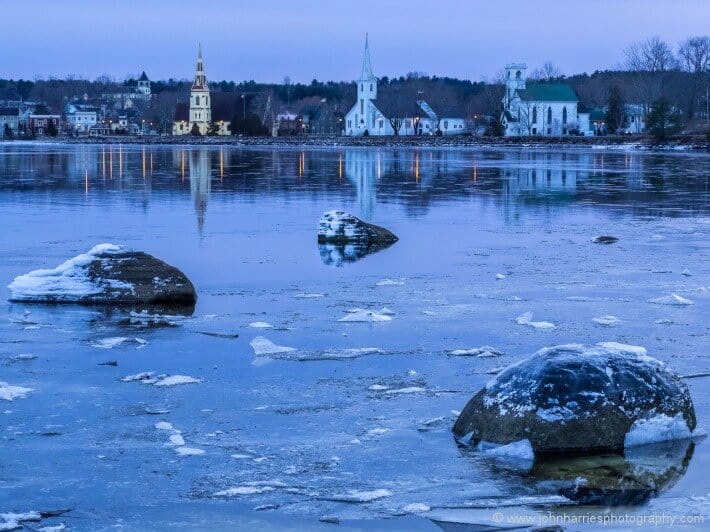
{"x":623,"y":131}
{"x":588,"y":133}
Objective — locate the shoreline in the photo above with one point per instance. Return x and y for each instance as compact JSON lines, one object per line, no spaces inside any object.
{"x":681,"y":143}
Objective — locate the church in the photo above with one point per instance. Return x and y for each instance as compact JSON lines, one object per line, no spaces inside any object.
{"x":546,"y":109}
{"x":413,"y":116}
{"x":201,"y":113}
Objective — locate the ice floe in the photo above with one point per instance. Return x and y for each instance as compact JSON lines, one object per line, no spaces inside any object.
{"x":517,"y":450}
{"x":606,"y":320}
{"x":189,"y":451}
{"x":114,"y":341}
{"x":9,"y":392}
{"x":364,"y":316}
{"x":657,"y":429}
{"x":390,"y":282}
{"x":263,"y":346}
{"x":260,"y":325}
{"x":406,"y":390}
{"x":416,"y":508}
{"x":483,"y":351}
{"x":163,"y":380}
{"x":243,"y":490}
{"x":500,"y":276}
{"x":309,"y":296}
{"x":526,"y":319}
{"x":15,"y":521}
{"x":357,"y":496}
{"x":673,"y":299}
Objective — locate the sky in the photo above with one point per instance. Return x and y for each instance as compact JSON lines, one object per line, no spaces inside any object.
{"x":267,"y":40}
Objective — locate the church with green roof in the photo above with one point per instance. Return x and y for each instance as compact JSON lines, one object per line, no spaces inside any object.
{"x":539,"y":109}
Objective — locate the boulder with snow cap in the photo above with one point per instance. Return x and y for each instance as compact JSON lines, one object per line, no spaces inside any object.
{"x":575,"y":398}
{"x":338,"y":227}
{"x":109,"y":275}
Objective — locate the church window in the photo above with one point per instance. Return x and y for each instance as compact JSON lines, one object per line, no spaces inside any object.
{"x":534,"y":115}
{"x":564,"y":115}
{"x":371,"y":87}
{"x":446,"y":124}
{"x":350,"y":123}
{"x":362,"y":107}
{"x":373,"y":121}
{"x":382,"y":123}
{"x":362,"y":87}
{"x":549,"y":115}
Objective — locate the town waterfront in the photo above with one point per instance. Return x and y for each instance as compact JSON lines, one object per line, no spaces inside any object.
{"x":352,"y":423}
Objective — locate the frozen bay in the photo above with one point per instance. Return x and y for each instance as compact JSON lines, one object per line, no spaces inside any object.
{"x":328,"y":418}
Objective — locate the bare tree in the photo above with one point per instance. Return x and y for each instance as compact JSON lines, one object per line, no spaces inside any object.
{"x":392,"y":103}
{"x":548,"y":72}
{"x":694,"y":55}
{"x":651,"y":60}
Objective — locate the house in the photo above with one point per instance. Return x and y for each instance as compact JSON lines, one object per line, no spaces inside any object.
{"x":9,"y":121}
{"x":406,"y":116}
{"x":80,"y":116}
{"x":635,"y":118}
{"x":100,"y":130}
{"x":125,"y":99}
{"x":322,"y":119}
{"x":39,"y":125}
{"x":547,"y":109}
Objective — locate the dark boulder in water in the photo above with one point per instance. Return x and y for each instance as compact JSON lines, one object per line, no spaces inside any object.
{"x":576,"y":398}
{"x":604,"y":239}
{"x":107,"y":275}
{"x":338,"y":227}
{"x":344,"y":238}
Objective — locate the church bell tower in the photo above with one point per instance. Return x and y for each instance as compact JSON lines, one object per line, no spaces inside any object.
{"x":200,"y":106}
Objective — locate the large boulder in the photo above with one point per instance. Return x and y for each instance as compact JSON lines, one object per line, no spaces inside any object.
{"x":344,"y":238}
{"x":338,"y":227}
{"x":575,"y":398}
{"x":108,"y":275}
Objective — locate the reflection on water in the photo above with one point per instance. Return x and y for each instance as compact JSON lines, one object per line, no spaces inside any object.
{"x":511,"y":180}
{"x":633,"y":478}
{"x":339,"y":254}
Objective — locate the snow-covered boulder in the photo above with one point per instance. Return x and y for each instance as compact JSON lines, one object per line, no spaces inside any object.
{"x":107,"y":274}
{"x":573,"y":398}
{"x":344,"y":238}
{"x":338,"y":227}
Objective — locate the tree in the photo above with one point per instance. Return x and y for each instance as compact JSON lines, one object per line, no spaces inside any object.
{"x":548,"y":72}
{"x":213,"y":129}
{"x":694,"y":55}
{"x":51,"y":130}
{"x":662,"y":120}
{"x":195,"y":130}
{"x":7,"y":133}
{"x":616,"y":110}
{"x":651,"y":60}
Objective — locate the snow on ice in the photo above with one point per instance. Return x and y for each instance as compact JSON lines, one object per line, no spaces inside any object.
{"x":657,"y":429}
{"x":263,"y":346}
{"x":606,"y":320}
{"x":673,"y":299}
{"x":9,"y":392}
{"x":526,"y":319}
{"x":364,"y":316}
{"x":260,"y":325}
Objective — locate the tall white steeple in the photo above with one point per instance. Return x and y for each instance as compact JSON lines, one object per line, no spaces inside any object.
{"x":366,"y":92}
{"x":200,"y":106}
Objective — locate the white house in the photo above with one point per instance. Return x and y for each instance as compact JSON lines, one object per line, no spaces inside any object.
{"x":80,"y":117}
{"x":547,"y":109}
{"x":413,"y":117}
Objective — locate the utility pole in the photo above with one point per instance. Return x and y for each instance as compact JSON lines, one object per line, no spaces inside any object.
{"x":244,"y":114}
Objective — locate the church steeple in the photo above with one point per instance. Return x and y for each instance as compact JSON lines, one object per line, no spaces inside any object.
{"x":200,"y":82}
{"x":367,"y":74}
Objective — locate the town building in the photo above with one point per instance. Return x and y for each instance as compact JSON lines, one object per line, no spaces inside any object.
{"x":80,"y":116}
{"x":413,"y":116}
{"x":546,"y":109}
{"x":9,"y":121}
{"x":125,"y":99}
{"x":39,"y":125}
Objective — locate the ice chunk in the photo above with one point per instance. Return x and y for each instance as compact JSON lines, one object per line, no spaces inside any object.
{"x":309,"y":296}
{"x":499,"y":276}
{"x":174,"y":380}
{"x":365,"y":316}
{"x":686,"y":272}
{"x":355,"y":496}
{"x":263,"y":346}
{"x":416,"y":508}
{"x":14,"y":521}
{"x":656,"y":429}
{"x":143,"y":376}
{"x":673,"y":299}
{"x":526,"y":319}
{"x":407,"y":390}
{"x":9,"y":392}
{"x":189,"y":451}
{"x":483,"y":351}
{"x":177,"y":440}
{"x":390,"y":282}
{"x":260,"y":325}
{"x":244,"y":490}
{"x":110,"y":343}
{"x":624,"y":348}
{"x":606,"y":320}
{"x":517,"y":450}
{"x":164,"y":425}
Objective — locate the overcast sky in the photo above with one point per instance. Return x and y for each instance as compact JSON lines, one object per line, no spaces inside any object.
{"x":266,"y":40}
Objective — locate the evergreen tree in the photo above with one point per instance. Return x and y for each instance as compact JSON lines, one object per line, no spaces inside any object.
{"x":662,"y":120}
{"x":616,"y":112}
{"x":195,"y":131}
{"x":7,"y":133}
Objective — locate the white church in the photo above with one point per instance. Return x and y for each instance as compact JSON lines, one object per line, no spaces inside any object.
{"x":365,"y":118}
{"x":545,"y":109}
